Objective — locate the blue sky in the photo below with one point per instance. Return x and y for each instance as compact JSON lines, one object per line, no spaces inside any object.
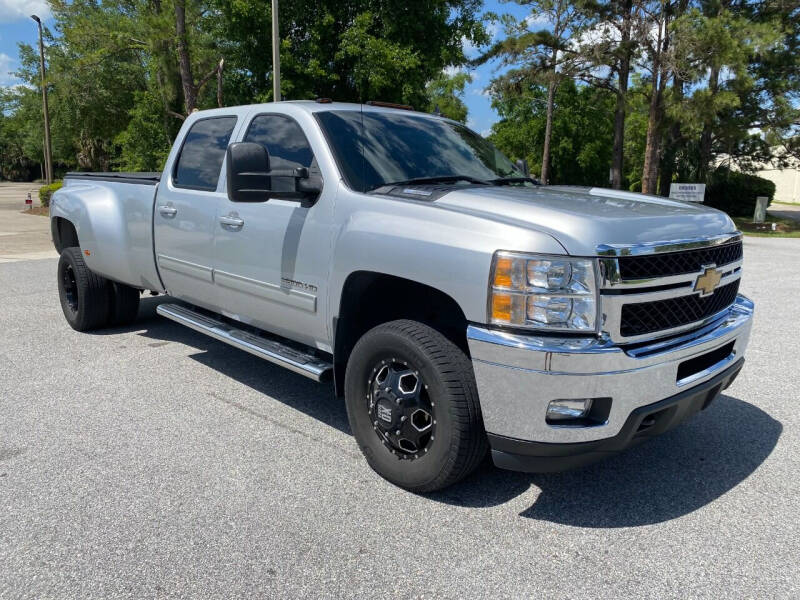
{"x":17,"y":26}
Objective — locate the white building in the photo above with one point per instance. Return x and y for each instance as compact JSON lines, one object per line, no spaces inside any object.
{"x":787,"y":182}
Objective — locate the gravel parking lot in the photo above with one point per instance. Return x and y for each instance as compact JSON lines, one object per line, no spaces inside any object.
{"x":155,"y":462}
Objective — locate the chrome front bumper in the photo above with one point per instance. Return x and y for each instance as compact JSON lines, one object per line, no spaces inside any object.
{"x":518,"y":375}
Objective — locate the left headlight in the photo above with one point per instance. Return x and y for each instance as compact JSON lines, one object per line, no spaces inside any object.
{"x":554,"y":293}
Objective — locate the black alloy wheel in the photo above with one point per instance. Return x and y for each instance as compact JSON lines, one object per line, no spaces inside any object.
{"x":400,"y":408}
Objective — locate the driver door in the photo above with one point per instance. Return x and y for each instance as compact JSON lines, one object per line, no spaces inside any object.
{"x":271,"y":257}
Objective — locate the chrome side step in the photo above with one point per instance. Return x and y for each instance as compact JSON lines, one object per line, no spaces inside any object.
{"x":268,"y":348}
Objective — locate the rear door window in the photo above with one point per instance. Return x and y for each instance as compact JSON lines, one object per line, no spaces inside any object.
{"x":202,"y":153}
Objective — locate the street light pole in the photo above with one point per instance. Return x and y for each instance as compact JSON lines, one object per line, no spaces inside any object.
{"x":48,"y":151}
{"x":276,"y":55}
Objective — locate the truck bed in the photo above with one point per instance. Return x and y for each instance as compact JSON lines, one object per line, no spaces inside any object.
{"x":113,"y":217}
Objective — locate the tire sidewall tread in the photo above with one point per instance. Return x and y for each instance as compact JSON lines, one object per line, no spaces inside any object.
{"x":460,"y":442}
{"x":93,"y":293}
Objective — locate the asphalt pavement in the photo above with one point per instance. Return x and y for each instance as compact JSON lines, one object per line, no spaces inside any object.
{"x":153,"y":462}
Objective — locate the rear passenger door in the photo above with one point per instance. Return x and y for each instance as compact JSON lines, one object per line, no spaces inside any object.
{"x":272,"y":257}
{"x":186,"y":210}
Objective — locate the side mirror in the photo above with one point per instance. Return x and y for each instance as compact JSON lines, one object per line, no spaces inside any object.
{"x":522,"y":165}
{"x":250,"y":178}
{"x":248,"y":172}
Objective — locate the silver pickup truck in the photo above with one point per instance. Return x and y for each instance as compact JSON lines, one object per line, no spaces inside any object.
{"x":456,"y":305}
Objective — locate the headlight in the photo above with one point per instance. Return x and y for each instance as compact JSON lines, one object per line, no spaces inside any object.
{"x":543,"y":292}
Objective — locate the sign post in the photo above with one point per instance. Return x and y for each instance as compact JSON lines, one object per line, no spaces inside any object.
{"x":687,"y":192}
{"x":29,"y":201}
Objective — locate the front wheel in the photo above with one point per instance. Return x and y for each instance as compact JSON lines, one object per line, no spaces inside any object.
{"x":413,"y":406}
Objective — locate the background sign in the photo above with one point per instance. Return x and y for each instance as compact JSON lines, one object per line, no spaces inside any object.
{"x":688,"y":192}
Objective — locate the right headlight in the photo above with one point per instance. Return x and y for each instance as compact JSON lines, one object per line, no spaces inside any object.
{"x":554,"y":293}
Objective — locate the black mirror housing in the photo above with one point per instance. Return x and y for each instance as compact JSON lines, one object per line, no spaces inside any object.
{"x":249,"y":177}
{"x":247,"y":169}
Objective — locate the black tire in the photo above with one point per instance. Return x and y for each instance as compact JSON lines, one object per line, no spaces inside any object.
{"x":460,"y":441}
{"x":84,"y":295}
{"x":124,"y":304}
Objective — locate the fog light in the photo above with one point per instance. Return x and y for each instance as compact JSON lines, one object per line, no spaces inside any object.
{"x":563,"y":410}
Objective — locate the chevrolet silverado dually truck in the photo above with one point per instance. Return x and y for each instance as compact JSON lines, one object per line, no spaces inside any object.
{"x":457,"y":306}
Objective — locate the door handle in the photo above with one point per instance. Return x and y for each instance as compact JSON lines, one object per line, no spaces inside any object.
{"x":232,"y":222}
{"x":168,"y":211}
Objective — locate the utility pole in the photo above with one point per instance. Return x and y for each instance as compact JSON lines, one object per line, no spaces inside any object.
{"x":276,"y":55}
{"x":48,"y":151}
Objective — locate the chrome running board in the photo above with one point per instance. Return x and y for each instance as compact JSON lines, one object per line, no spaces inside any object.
{"x":268,"y":348}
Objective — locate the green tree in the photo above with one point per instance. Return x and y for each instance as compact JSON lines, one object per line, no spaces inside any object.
{"x":145,"y":143}
{"x":348,"y":50}
{"x":607,"y":55}
{"x":582,"y":130}
{"x":541,"y":54}
{"x":445,"y":93}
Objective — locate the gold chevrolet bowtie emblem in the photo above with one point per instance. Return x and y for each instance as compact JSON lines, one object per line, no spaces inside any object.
{"x":708,"y":281}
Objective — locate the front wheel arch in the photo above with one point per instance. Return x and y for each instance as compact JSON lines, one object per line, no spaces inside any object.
{"x":370,"y":298}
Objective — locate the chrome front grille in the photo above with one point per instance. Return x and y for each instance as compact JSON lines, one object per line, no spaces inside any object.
{"x":642,"y":318}
{"x":677,"y":263}
{"x":649,"y":291}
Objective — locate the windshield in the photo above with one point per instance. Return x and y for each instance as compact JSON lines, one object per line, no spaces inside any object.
{"x":398,"y":148}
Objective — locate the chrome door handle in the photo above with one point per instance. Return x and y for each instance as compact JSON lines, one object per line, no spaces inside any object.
{"x":168,"y":211}
{"x":232,"y":222}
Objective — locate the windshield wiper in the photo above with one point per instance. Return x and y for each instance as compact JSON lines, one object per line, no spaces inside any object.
{"x":512,"y":180}
{"x":438,"y":179}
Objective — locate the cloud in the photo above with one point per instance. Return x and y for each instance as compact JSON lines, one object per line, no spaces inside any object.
{"x":7,"y":65}
{"x":471,"y":50}
{"x":15,"y":10}
{"x":536,"y":21}
{"x":494,"y":30}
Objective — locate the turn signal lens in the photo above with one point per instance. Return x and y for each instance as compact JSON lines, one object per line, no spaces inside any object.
{"x":502,"y":273}
{"x":501,"y":307}
{"x":509,"y":273}
{"x":508,"y":308}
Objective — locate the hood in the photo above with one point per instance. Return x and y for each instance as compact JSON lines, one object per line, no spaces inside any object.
{"x":581,"y":219}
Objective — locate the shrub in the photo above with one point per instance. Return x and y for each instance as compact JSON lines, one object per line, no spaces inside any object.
{"x":736,"y":192}
{"x":46,"y":191}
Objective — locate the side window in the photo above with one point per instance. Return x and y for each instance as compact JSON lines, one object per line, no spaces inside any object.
{"x":202,"y":153}
{"x":286,"y":143}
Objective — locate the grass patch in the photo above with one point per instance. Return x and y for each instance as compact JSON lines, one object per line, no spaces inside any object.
{"x":42,"y":211}
{"x":783,"y":227}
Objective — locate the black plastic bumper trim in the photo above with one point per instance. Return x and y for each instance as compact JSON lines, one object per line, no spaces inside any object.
{"x":643,"y":423}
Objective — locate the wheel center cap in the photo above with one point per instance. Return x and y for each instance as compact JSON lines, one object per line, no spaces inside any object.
{"x":384,"y":412}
